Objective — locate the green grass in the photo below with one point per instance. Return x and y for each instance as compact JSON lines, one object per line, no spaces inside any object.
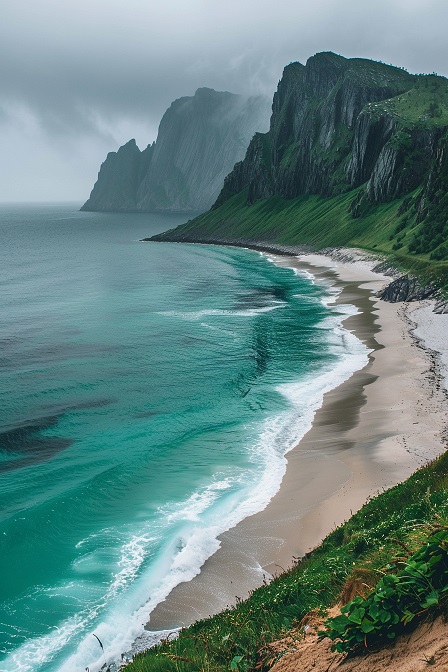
{"x":314,"y":220}
{"x":426,"y":103}
{"x":392,"y":525}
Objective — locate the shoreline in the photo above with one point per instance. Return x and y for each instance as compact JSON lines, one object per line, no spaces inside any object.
{"x":364,"y":438}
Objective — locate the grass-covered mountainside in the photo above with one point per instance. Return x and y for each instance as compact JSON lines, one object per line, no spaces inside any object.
{"x":356,"y":154}
{"x":391,"y":536}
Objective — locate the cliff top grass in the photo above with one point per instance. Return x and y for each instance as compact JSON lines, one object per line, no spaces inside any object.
{"x":372,"y":73}
{"x":378,"y":539}
{"x":425,"y":104}
{"x":380,"y":74}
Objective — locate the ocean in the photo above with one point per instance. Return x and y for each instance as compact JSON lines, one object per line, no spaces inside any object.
{"x":149,"y":395}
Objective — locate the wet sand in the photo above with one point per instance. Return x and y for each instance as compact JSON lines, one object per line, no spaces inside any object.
{"x":371,"y":432}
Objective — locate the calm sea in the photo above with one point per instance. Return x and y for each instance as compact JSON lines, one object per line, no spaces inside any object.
{"x":147,"y":390}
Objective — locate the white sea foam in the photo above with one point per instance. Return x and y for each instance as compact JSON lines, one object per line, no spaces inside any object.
{"x":195,"y":315}
{"x":196,"y":504}
{"x":133,"y":553}
{"x":303,"y":273}
{"x":269,"y":257}
{"x":331,"y":297}
{"x":37,"y":652}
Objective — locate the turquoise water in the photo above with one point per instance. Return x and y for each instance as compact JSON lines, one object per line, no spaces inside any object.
{"x":147,"y":390}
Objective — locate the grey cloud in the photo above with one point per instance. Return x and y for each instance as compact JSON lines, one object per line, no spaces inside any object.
{"x":93,"y":70}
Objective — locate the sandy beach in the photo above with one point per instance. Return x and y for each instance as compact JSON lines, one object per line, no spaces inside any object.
{"x":371,"y":432}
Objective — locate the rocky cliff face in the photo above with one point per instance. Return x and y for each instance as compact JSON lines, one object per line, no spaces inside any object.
{"x":329,"y":133}
{"x":199,"y":140}
{"x":341,"y":123}
{"x":119,"y":178}
{"x":407,"y":288}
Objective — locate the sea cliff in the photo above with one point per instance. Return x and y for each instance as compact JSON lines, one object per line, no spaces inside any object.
{"x":199,"y":140}
{"x":355,"y":156}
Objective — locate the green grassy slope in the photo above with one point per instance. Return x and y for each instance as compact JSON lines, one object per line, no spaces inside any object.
{"x":387,"y":228}
{"x":387,"y":529}
{"x":426,"y":103}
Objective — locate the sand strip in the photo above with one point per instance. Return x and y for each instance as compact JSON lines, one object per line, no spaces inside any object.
{"x":372,"y":432}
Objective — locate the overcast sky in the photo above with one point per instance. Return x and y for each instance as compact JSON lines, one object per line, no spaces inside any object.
{"x":78,"y":78}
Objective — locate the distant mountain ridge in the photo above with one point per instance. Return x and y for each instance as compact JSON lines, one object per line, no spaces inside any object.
{"x":200,"y":139}
{"x":356,"y":154}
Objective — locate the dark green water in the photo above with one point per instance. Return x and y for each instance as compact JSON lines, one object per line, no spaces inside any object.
{"x":147,"y":390}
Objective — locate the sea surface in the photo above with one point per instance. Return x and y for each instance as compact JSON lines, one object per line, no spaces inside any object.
{"x":149,"y":393}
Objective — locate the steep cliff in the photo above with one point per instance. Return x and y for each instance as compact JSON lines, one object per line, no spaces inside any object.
{"x":327,"y":132}
{"x":199,"y":140}
{"x":356,"y":154}
{"x":119,"y":178}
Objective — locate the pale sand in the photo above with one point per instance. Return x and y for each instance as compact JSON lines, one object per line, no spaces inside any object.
{"x":372,"y":432}
{"x":432,"y":329}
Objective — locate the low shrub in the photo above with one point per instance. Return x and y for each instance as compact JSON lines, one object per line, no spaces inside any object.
{"x":397,"y":599}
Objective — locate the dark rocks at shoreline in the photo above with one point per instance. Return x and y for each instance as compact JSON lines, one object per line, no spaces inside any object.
{"x":407,"y":288}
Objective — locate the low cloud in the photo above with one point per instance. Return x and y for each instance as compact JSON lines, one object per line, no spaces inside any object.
{"x":103,"y":71}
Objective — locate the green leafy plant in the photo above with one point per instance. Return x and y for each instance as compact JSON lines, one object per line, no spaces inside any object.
{"x":396,"y":601}
{"x":236,"y":661}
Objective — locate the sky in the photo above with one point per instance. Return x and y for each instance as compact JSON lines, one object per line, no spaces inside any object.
{"x":79,"y":78}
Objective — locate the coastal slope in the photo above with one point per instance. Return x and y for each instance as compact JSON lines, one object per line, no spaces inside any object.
{"x":199,"y":140}
{"x":356,"y":155}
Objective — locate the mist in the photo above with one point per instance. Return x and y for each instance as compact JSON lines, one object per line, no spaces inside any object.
{"x":78,"y":79}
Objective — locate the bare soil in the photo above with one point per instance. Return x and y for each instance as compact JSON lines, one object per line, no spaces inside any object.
{"x":423,"y":650}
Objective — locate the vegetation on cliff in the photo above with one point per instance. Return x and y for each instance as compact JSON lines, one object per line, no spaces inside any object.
{"x":398,"y":599}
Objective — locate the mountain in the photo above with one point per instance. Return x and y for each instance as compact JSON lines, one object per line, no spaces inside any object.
{"x":356,"y":154}
{"x":119,"y":178}
{"x":199,"y":140}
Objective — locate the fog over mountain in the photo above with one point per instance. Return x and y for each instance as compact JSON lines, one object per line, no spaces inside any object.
{"x":78,"y":79}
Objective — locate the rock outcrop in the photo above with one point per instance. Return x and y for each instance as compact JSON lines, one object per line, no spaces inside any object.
{"x":199,"y":140}
{"x":331,"y":133}
{"x":441,"y":307}
{"x":407,"y":288}
{"x":119,"y":178}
